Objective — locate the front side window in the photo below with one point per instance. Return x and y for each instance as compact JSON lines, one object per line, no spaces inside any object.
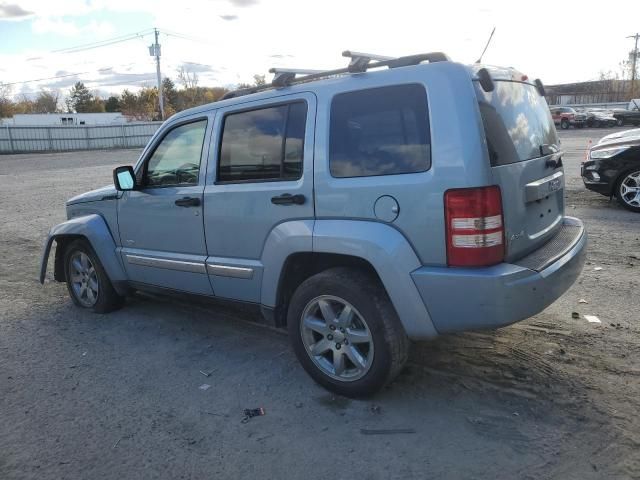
{"x":380,"y":131}
{"x":263,"y":144}
{"x":176,"y":160}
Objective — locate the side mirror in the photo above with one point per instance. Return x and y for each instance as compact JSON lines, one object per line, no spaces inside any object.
{"x":124,"y":178}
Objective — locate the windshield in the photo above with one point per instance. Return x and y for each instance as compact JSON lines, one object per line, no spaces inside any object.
{"x":517,"y":122}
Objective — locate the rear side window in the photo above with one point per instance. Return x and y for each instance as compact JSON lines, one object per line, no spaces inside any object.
{"x":380,"y":131}
{"x":517,"y":122}
{"x":263,"y":144}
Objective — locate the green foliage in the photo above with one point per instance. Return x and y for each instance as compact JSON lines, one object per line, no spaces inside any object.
{"x":112,"y":104}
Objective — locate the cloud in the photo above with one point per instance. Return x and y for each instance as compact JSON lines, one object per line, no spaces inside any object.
{"x":228,"y":17}
{"x":243,"y":3}
{"x":10,"y":11}
{"x":193,"y":67}
{"x":68,"y":28}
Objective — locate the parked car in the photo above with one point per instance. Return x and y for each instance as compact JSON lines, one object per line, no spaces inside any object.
{"x":597,"y":117}
{"x":567,"y":116}
{"x":359,"y":211}
{"x":631,"y":116}
{"x":613,"y":169}
{"x":616,"y":136}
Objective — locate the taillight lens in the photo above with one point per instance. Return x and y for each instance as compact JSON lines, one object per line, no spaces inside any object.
{"x":475,"y":229}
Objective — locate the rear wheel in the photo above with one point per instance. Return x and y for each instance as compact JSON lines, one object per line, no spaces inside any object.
{"x":564,"y":124}
{"x":345,"y":332}
{"x":628,"y":191}
{"x":87,"y":282}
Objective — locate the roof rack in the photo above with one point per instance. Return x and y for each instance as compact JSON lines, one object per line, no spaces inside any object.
{"x":360,"y":62}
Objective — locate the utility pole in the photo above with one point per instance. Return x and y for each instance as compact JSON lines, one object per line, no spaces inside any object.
{"x":154,"y":51}
{"x":633,"y":64}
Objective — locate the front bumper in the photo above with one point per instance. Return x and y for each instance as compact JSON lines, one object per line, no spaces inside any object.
{"x":598,"y":176}
{"x":476,"y":298}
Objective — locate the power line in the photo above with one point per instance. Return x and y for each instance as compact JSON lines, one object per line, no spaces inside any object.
{"x":104,"y":43}
{"x":46,"y":78}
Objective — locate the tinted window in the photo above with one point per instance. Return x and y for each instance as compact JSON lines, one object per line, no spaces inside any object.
{"x":517,"y":122}
{"x":380,"y":131}
{"x":264,"y":144}
{"x":176,"y":160}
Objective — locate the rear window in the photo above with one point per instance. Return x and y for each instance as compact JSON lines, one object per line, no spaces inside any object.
{"x":380,"y":131}
{"x":517,"y":122}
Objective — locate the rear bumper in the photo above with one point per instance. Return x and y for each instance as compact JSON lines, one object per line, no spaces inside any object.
{"x":476,"y":298}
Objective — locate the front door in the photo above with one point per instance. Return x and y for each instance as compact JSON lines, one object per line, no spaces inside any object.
{"x":259,"y":176}
{"x":161,"y":222}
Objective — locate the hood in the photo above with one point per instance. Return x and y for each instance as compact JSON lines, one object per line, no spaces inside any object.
{"x":94,"y":195}
{"x":619,"y":142}
{"x":619,"y":136}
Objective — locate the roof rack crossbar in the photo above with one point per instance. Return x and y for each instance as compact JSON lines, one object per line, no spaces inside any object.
{"x":360,"y":62}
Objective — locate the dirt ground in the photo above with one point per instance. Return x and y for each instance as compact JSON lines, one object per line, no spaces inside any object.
{"x":122,"y":396}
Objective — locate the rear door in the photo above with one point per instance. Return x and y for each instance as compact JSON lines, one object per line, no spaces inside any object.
{"x":260,"y":175}
{"x":524,"y":150}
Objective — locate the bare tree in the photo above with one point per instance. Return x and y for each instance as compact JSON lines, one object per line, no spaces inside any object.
{"x":46,"y":102}
{"x":187,"y":79}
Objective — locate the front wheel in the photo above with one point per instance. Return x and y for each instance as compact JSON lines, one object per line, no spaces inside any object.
{"x":346,"y":333}
{"x":564,"y":124}
{"x":619,"y":122}
{"x":628,"y":191}
{"x":87,"y":282}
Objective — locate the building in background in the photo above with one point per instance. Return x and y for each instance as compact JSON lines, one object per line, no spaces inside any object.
{"x":65,"y":119}
{"x":597,"y":91}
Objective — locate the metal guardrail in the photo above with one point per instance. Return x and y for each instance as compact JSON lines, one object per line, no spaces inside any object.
{"x":49,"y":138}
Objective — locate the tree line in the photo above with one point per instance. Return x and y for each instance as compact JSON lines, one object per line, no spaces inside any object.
{"x":141,"y":105}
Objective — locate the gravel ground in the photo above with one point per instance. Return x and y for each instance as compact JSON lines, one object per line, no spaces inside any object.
{"x":121,"y":396}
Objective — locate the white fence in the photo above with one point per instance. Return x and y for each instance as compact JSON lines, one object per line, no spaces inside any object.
{"x":22,"y":139}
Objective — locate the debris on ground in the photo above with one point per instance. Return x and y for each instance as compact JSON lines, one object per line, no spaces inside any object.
{"x":249,"y":413}
{"x":582,"y":300}
{"x":386,"y":431}
{"x":592,"y":319}
{"x":204,"y":386}
{"x":207,"y":374}
{"x":575,"y":315}
{"x":375,"y":409}
{"x":597,"y":269}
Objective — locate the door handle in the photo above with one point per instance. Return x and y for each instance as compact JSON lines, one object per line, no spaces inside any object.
{"x":188,"y":202}
{"x":288,"y":199}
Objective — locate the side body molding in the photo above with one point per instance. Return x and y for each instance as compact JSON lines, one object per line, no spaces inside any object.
{"x":95,"y":230}
{"x":393,"y":258}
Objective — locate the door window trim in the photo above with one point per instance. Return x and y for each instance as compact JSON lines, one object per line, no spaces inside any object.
{"x":251,"y":108}
{"x":142,"y":170}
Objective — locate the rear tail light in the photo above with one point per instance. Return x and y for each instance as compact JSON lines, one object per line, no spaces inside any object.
{"x":475,"y":229}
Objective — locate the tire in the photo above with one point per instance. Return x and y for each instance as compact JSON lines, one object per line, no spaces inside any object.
{"x":624,"y":194}
{"x":81,"y":263}
{"x":380,"y":355}
{"x":564,"y":124}
{"x":619,"y":122}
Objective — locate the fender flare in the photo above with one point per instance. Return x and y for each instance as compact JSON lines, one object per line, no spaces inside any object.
{"x":381,"y":245}
{"x":95,"y":230}
{"x":393,"y":258}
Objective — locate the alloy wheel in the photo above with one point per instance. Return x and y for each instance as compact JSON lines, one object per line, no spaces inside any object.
{"x":630,"y":189}
{"x":337,"y":338}
{"x":84,"y":279}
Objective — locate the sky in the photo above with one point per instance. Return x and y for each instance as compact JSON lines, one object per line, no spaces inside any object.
{"x":228,"y":41}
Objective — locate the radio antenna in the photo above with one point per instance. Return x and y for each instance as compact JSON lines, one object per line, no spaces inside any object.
{"x":486,"y":46}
